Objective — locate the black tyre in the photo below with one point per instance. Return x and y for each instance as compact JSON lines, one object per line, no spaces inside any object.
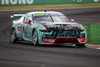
{"x":13,"y":37}
{"x":80,"y":45}
{"x":35,"y":38}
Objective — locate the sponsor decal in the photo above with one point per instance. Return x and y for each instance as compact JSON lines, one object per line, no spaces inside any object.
{"x":45,"y":40}
{"x":65,"y":39}
{"x":63,"y":26}
{"x":40,"y":14}
{"x":77,"y":1}
{"x":16,"y":2}
{"x":96,"y":0}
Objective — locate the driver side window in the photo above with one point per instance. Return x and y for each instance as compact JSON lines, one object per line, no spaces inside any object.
{"x":26,"y":17}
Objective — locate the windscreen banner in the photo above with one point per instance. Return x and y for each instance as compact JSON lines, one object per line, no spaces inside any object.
{"x":31,"y":2}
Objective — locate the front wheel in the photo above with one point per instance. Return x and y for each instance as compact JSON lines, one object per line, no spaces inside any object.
{"x":80,"y":45}
{"x":13,"y":37}
{"x":35,"y":38}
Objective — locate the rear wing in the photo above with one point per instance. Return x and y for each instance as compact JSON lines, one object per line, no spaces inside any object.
{"x":16,"y":15}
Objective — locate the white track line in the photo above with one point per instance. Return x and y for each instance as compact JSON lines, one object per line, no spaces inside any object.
{"x":98,"y":48}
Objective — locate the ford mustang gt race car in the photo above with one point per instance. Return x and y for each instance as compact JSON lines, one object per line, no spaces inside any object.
{"x":47,"y":27}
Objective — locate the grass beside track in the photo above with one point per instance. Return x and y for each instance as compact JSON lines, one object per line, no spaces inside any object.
{"x":48,"y":6}
{"x":93,"y":31}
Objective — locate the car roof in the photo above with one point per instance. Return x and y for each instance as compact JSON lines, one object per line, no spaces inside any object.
{"x":35,"y":12}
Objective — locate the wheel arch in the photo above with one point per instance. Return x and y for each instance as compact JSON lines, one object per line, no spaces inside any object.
{"x":12,"y":28}
{"x":33,"y":31}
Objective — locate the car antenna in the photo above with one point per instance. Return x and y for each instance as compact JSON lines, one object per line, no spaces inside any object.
{"x":45,"y":10}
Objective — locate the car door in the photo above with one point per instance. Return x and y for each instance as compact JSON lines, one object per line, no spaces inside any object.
{"x":27,"y":27}
{"x":19,"y":27}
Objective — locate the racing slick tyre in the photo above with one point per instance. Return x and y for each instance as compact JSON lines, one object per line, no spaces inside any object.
{"x":80,"y":45}
{"x":13,"y":37}
{"x":35,"y":38}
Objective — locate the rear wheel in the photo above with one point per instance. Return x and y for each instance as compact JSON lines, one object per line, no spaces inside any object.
{"x":80,"y":45}
{"x":13,"y":37}
{"x":35,"y":38}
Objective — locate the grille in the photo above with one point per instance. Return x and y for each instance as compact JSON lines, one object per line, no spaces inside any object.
{"x":65,"y":33}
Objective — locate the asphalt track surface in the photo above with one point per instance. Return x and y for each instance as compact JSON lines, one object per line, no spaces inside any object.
{"x":23,"y":54}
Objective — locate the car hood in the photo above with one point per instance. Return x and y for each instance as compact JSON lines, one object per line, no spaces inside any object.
{"x":62,"y":26}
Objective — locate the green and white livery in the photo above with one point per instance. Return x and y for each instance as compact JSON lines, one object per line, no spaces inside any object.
{"x":47,"y":27}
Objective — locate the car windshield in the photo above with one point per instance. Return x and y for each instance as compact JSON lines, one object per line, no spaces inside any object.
{"x":42,"y":18}
{"x":58,"y":17}
{"x":50,"y":17}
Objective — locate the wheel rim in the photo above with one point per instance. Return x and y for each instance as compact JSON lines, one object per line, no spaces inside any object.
{"x":35,"y":38}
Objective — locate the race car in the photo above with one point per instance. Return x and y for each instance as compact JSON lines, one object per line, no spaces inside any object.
{"x":47,"y":27}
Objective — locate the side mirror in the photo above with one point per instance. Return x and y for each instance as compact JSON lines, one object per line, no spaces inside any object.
{"x":27,"y":21}
{"x":72,"y":20}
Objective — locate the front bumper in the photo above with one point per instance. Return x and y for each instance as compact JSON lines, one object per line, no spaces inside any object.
{"x":72,"y":36}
